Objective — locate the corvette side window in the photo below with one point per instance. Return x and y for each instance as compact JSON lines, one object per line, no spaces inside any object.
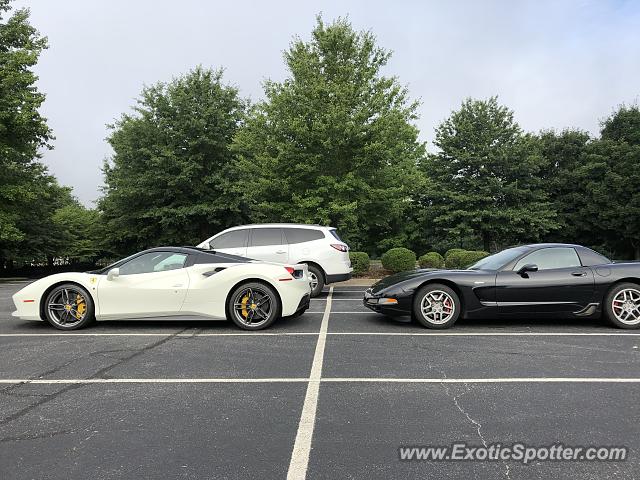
{"x":549,"y":258}
{"x":154,"y":262}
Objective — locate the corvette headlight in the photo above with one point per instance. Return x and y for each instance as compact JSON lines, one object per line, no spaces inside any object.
{"x":387,"y":301}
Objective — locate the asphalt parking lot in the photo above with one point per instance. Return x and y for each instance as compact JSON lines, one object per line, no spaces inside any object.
{"x":333,"y":393}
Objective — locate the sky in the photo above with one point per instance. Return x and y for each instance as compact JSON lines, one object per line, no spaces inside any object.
{"x":557,"y":64}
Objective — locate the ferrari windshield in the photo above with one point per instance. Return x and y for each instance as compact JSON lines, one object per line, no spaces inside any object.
{"x":498,"y":260}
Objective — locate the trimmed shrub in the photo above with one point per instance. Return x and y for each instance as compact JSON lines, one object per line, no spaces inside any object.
{"x":464,"y":258}
{"x":399,"y":259}
{"x":360,"y":262}
{"x":453,"y":251}
{"x":431,"y":260}
{"x":471,"y":257}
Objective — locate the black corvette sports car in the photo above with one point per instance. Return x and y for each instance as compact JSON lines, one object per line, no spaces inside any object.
{"x":542,"y":280}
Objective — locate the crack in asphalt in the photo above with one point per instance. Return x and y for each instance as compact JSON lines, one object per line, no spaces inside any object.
{"x":459,"y":407}
{"x":36,"y":436}
{"x":99,"y":374}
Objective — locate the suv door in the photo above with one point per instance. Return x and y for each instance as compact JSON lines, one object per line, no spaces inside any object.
{"x":268,"y":244}
{"x":560,"y":286}
{"x":233,"y":242}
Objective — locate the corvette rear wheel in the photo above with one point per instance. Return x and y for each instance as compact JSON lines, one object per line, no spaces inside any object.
{"x":253,"y":306}
{"x":436,"y":306}
{"x":622,"y":305}
{"x":69,"y":307}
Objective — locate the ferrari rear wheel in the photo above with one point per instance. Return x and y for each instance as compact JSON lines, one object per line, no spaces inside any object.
{"x":622,"y":305}
{"x":253,"y":306}
{"x":436,"y":306}
{"x":69,"y":307}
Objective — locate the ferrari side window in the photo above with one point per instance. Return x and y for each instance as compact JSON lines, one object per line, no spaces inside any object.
{"x":550,"y":258}
{"x":153,"y":262}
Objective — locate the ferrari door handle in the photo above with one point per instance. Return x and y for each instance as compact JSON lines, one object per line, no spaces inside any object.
{"x":281,"y":251}
{"x":177,"y":285}
{"x":579,"y":274}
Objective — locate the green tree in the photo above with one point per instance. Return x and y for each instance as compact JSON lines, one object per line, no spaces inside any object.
{"x":334,"y":143}
{"x":565,"y":154}
{"x":485,"y":181}
{"x":609,"y":180}
{"x":171,"y":178}
{"x":23,"y":131}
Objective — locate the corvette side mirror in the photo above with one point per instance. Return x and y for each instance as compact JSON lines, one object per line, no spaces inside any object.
{"x":113,"y":273}
{"x":530,"y":267}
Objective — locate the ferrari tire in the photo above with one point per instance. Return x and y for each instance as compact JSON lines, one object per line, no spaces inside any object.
{"x":254,"y":306}
{"x":622,"y":305}
{"x":316,"y":279}
{"x":436,"y":306}
{"x":69,"y":307}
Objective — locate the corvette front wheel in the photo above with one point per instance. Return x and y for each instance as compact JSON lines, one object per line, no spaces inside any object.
{"x":253,"y":306}
{"x":436,"y":306}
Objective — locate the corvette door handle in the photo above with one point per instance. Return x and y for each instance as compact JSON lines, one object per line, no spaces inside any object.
{"x":579,"y":274}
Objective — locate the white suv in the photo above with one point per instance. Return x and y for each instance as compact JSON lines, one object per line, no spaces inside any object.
{"x":319,"y":247}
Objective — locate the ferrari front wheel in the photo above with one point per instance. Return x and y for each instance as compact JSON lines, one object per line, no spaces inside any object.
{"x":253,"y":306}
{"x":436,"y":306}
{"x":69,"y":307}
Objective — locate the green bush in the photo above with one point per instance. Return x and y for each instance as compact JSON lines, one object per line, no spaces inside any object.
{"x":472,"y":256}
{"x":453,"y":251}
{"x":464,"y":258}
{"x":359,"y":262}
{"x":399,"y":259}
{"x":431,"y":260}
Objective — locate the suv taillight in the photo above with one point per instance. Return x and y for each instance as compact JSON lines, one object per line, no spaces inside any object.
{"x":340,"y":246}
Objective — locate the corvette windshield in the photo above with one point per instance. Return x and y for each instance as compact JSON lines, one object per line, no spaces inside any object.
{"x":498,"y":260}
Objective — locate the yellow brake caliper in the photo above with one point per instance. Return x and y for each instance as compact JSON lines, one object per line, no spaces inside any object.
{"x":244,"y":302}
{"x":81,"y":307}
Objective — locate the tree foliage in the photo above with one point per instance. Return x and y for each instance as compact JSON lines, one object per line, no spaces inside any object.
{"x":485,"y":181}
{"x":23,"y":131}
{"x":171,"y":179}
{"x":335,"y":142}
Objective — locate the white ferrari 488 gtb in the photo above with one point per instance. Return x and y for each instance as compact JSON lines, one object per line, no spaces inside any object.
{"x":170,"y":281}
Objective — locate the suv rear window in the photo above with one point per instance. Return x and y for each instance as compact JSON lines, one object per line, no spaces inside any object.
{"x":334,"y":232}
{"x":266,"y":236}
{"x":300,"y":235}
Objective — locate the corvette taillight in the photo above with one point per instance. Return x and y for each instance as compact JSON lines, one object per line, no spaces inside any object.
{"x":340,"y":247}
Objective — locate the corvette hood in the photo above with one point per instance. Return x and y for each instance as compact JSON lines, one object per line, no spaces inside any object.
{"x":410,"y":275}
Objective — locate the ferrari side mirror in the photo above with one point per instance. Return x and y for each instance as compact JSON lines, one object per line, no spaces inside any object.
{"x":113,"y":273}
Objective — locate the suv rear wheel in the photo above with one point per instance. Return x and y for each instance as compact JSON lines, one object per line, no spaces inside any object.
{"x":316,"y":278}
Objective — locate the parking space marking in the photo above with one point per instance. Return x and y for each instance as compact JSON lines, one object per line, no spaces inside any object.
{"x":482,"y":380}
{"x":295,"y":334}
{"x":72,"y":381}
{"x":492,"y":334}
{"x":195,"y":334}
{"x":302,"y":446}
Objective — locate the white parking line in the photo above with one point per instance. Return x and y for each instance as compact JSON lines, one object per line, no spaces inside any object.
{"x":295,"y":334}
{"x":302,"y":446}
{"x":302,"y":461}
{"x":229,"y":334}
{"x":491,"y":334}
{"x":152,"y":380}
